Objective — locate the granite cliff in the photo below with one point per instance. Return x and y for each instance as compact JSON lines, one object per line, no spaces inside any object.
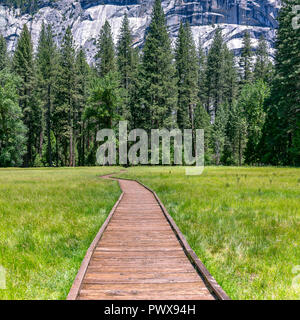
{"x":87,"y":16}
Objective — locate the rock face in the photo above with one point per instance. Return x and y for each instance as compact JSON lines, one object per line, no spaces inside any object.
{"x":86,"y":18}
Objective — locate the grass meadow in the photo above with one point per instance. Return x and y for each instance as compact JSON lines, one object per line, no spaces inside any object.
{"x":243,"y":223}
{"x":48,"y":219}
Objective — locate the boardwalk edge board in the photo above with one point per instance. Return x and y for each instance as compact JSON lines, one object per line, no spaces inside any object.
{"x":85,"y":263}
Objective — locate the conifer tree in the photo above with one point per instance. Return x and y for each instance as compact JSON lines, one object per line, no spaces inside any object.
{"x":252,"y":100}
{"x":187,"y":74}
{"x":125,"y":53}
{"x":126,"y":60}
{"x":82,"y":93}
{"x":24,"y":67}
{"x":3,"y":53}
{"x":137,"y":113}
{"x":159,"y":92}
{"x":214,"y":79}
{"x":263,"y":67}
{"x":230,"y":74}
{"x":65,"y":101}
{"x":202,"y":121}
{"x":105,"y":57}
{"x":236,"y":135}
{"x":219,"y":133}
{"x":281,"y":139}
{"x":246,"y":62}
{"x":201,"y":73}
{"x":47,"y":66}
{"x":12,"y":129}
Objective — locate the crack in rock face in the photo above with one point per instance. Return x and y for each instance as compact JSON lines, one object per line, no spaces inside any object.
{"x":86,"y":17}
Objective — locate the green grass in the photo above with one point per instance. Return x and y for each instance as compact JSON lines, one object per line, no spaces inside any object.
{"x":243,"y":223}
{"x":48,"y":219}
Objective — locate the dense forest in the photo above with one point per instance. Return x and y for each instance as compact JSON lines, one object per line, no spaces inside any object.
{"x":52,"y":102}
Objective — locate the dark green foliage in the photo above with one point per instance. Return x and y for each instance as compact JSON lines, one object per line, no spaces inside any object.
{"x":12,"y":129}
{"x":3,"y":53}
{"x":105,"y":57}
{"x":263,"y":69}
{"x":65,"y":102}
{"x":24,"y":67}
{"x":202,"y":121}
{"x":219,"y":133}
{"x":137,"y":115}
{"x":281,"y":140}
{"x":236,"y":136}
{"x":201,"y":73}
{"x":127,"y":64}
{"x":82,"y":93}
{"x":104,"y":101}
{"x":246,"y":62}
{"x":47,"y":66}
{"x":230,"y":74}
{"x":251,"y":101}
{"x":125,"y":53}
{"x":158,"y":90}
{"x":187,"y":74}
{"x":214,"y":79}
{"x":102,"y":112}
{"x":26,"y":6}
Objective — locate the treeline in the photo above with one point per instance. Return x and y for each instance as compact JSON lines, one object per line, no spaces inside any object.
{"x":52,"y":103}
{"x":26,"y":6}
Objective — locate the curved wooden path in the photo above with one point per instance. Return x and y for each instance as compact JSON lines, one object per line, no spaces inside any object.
{"x":139,"y":253}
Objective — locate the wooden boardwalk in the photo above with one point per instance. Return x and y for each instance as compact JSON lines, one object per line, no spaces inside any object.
{"x":137,"y":255}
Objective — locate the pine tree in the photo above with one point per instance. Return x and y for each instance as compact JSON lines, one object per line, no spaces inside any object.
{"x":63,"y":115}
{"x":187,"y":74}
{"x":24,"y":67}
{"x":3,"y":53}
{"x":159,"y":92}
{"x":214,"y":79}
{"x":219,"y":133}
{"x":47,"y":65}
{"x":252,"y":100}
{"x":125,"y":53}
{"x":82,"y":93}
{"x":105,"y":57}
{"x":126,"y":59}
{"x":201,"y":73}
{"x":12,"y":129}
{"x":137,"y":112}
{"x":202,"y":121}
{"x":281,"y":139}
{"x":239,"y":133}
{"x":263,"y":68}
{"x":230,"y":75}
{"x":104,"y":101}
{"x":246,"y":62}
